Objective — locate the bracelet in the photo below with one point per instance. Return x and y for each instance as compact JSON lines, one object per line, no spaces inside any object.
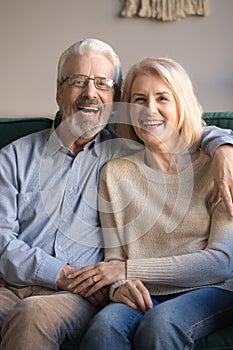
{"x":114,"y":287}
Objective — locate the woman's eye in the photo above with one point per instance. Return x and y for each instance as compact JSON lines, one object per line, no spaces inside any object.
{"x":139,"y":100}
{"x":162,"y":98}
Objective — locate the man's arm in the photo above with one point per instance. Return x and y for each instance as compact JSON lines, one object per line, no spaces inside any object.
{"x":223,"y":175}
{"x":21,"y":262}
{"x":212,"y":139}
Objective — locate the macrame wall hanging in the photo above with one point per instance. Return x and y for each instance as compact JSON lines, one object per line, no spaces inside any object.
{"x":165,"y":10}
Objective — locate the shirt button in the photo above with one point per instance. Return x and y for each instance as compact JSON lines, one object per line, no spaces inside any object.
{"x":26,"y":198}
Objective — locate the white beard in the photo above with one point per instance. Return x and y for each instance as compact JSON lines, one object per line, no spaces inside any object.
{"x":84,"y":128}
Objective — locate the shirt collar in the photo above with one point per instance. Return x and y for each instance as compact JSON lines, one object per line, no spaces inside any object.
{"x":54,"y":144}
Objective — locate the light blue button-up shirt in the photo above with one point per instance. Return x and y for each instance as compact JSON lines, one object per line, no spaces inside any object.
{"x":48,"y":204}
{"x":48,"y":207}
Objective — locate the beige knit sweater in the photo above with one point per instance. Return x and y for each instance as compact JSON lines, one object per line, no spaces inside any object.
{"x":163,"y":225}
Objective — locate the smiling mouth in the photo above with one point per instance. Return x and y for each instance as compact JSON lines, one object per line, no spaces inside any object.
{"x":151,"y":123}
{"x":89,"y":110}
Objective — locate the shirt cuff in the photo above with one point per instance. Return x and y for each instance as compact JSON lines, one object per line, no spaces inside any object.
{"x":49,"y":271}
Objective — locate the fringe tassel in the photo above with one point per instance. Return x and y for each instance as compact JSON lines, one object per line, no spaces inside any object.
{"x":165,"y":10}
{"x":130,"y":8}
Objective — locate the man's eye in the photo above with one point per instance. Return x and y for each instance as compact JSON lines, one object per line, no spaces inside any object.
{"x":77,"y":81}
{"x":102,"y":83}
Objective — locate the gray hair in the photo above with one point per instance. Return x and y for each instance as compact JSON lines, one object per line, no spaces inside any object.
{"x":92,"y":46}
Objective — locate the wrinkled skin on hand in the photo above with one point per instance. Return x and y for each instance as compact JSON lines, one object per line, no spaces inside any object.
{"x":223,"y":176}
{"x":135,"y":295}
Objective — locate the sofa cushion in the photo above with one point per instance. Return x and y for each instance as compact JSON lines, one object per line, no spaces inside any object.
{"x":221,"y":340}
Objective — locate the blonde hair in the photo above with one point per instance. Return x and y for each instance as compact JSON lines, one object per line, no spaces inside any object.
{"x":174,"y":75}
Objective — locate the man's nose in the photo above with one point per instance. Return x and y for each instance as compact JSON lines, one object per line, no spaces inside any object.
{"x":90,"y":90}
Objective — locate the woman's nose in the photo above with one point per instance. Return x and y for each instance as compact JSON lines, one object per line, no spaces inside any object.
{"x":152,"y":105}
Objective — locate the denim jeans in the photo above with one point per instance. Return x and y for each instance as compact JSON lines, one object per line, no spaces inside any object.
{"x":174,"y":323}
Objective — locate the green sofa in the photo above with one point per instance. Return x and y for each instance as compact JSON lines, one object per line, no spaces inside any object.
{"x":13,"y":128}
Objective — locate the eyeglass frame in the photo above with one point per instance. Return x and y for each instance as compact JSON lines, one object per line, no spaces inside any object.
{"x":107,"y":88}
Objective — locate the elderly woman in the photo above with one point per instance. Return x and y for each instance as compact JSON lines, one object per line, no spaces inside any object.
{"x":157,"y":218}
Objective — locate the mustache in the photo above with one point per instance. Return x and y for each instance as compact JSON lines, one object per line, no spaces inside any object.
{"x":88,"y":101}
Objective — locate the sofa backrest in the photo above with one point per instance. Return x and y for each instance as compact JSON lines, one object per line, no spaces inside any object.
{"x":221,"y":119}
{"x":14,"y":128}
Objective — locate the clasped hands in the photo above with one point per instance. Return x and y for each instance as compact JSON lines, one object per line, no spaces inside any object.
{"x":92,"y":282}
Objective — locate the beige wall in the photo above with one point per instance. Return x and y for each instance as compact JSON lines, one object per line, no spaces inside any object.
{"x":33,"y":33}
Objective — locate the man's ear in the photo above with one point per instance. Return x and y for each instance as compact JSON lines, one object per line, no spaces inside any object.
{"x":59,"y":95}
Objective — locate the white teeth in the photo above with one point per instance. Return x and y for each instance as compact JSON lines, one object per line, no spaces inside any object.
{"x":151,"y":122}
{"x":89,"y":110}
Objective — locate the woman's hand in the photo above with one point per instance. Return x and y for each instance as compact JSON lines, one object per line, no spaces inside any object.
{"x":223,"y":176}
{"x":134,"y":294}
{"x":90,"y":279}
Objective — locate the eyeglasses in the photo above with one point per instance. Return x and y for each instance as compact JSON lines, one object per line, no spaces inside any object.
{"x":81,"y":81}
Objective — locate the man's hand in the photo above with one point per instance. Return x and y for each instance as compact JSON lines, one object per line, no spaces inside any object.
{"x":135,"y":295}
{"x":99,"y":299}
{"x":63,"y":281}
{"x":223,"y":176}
